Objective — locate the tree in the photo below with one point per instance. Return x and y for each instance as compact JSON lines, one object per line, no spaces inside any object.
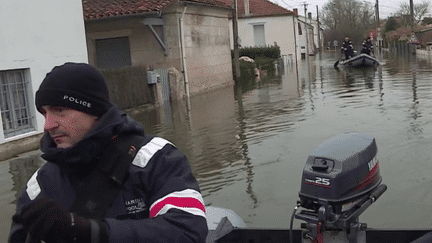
{"x":391,"y":24}
{"x":351,"y":18}
{"x":395,"y":35}
{"x":398,"y":25}
{"x":404,"y":12}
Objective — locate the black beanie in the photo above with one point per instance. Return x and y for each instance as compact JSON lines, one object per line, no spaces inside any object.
{"x":78,"y":86}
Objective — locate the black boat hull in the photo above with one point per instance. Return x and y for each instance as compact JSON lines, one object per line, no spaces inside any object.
{"x":362,"y":60}
{"x":280,"y":235}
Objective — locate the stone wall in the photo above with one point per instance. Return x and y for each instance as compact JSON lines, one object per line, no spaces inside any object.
{"x":208,"y":53}
{"x":206,"y":39}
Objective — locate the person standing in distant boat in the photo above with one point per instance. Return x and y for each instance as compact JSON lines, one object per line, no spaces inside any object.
{"x":367,"y":46}
{"x":347,"y":48}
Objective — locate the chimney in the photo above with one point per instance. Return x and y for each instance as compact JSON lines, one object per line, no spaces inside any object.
{"x":295,"y":11}
{"x":246,"y":7}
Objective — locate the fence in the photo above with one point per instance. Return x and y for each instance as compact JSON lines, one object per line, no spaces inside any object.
{"x":164,"y":81}
{"x":402,"y":48}
{"x":128,"y":87}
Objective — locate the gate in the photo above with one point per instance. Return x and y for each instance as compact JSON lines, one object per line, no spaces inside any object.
{"x":164,"y":81}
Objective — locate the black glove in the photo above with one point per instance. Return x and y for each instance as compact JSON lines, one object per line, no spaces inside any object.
{"x":44,"y":219}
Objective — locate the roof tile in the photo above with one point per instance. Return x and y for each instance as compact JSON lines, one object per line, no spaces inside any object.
{"x":259,"y":8}
{"x":94,"y":9}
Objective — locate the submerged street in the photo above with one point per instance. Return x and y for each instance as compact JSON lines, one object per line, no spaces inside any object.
{"x":247,"y":144}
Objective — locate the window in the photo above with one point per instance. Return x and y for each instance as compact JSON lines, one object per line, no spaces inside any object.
{"x":113,"y":53}
{"x":259,"y":35}
{"x":14,"y":103}
{"x":300,"y":29}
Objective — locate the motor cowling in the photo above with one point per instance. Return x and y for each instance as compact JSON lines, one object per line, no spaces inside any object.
{"x":341,"y":170}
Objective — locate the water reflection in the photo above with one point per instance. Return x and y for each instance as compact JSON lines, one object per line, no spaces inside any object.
{"x":416,"y":128}
{"x":14,"y":175}
{"x":244,"y":146}
{"x":22,"y":169}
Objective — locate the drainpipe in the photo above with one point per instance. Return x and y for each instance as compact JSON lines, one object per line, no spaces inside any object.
{"x":183,"y":51}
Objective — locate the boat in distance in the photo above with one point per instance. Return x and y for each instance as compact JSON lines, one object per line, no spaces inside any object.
{"x":362,"y":60}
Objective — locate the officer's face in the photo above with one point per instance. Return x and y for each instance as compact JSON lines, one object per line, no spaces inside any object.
{"x":67,"y":126}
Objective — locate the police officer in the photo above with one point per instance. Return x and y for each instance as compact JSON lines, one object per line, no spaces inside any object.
{"x":367,"y":46}
{"x":159,"y":200}
{"x":347,"y":48}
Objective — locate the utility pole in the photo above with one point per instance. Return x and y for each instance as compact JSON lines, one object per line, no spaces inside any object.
{"x":307,"y":39}
{"x":236,"y":46}
{"x":307,"y":35}
{"x":412,"y":14}
{"x":377,"y":11}
{"x":378,"y":29}
{"x":319,"y":28}
{"x":412,"y":23}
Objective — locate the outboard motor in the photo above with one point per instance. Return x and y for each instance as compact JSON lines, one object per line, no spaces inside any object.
{"x":341,"y":179}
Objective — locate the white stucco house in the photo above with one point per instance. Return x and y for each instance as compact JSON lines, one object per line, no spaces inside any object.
{"x":261,"y":22}
{"x":35,"y":36}
{"x":314,"y":33}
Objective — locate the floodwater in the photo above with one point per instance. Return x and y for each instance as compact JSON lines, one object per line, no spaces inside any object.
{"x":247,"y":144}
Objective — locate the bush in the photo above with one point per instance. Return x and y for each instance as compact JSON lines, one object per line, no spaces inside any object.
{"x":247,"y":69}
{"x":272,"y":52}
{"x":264,"y":58}
{"x":266,"y":64}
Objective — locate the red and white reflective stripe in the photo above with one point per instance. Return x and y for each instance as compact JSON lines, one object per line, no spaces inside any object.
{"x":147,"y":151}
{"x":187,"y":200}
{"x":33,"y":188}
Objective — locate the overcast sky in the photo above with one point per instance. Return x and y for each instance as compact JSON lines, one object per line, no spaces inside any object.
{"x":386,"y":7}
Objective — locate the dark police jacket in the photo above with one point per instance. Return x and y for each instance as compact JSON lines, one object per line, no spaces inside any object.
{"x":367,"y":45}
{"x":160,"y":200}
{"x":346,"y":46}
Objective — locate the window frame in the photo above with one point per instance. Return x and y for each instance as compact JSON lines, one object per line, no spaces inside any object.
{"x":17,"y":115}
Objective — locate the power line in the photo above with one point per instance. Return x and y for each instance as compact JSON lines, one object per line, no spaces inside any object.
{"x":388,"y":7}
{"x":296,"y":3}
{"x":286,"y":3}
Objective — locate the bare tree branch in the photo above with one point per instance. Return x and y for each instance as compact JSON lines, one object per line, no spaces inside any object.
{"x":420,"y":10}
{"x":351,"y":18}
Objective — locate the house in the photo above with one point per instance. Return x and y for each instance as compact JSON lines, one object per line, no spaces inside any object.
{"x":316,"y":38}
{"x":187,"y":38}
{"x":424,"y":37}
{"x":35,"y":37}
{"x":261,"y":23}
{"x":305,"y":38}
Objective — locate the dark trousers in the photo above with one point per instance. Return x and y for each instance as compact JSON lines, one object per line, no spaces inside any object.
{"x":348,"y":53}
{"x":366,"y":51}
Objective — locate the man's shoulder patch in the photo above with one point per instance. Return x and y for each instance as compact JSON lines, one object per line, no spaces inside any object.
{"x":147,"y":151}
